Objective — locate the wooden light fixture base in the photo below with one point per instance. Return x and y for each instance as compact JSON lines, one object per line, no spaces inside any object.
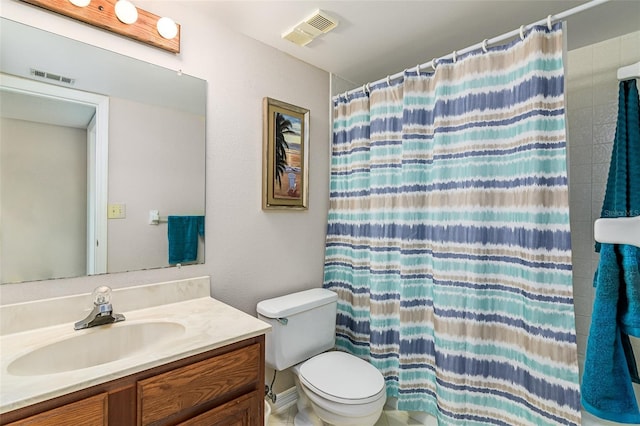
{"x":101,"y":13}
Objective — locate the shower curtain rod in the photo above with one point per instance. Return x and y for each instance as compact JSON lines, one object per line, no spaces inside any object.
{"x":484,"y":44}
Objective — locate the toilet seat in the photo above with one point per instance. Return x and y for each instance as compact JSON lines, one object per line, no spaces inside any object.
{"x":343,"y":378}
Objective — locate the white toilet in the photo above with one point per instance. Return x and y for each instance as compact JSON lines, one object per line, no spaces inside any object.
{"x":333,"y":387}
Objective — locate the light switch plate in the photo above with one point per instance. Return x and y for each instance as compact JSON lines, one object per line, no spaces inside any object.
{"x":117,"y":211}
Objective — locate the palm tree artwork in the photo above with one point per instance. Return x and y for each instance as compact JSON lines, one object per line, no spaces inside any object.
{"x":283,"y":126}
{"x":287,"y":149}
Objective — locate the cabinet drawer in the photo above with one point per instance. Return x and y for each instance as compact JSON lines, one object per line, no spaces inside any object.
{"x":169,"y":393}
{"x":242,"y":411}
{"x":86,"y":412}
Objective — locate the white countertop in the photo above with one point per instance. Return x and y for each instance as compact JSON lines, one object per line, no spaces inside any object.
{"x":208,"y":324}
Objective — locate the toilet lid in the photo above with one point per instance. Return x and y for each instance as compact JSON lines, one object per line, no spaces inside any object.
{"x":339,"y":376}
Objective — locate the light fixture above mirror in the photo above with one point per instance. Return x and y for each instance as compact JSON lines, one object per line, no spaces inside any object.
{"x":121,"y":17}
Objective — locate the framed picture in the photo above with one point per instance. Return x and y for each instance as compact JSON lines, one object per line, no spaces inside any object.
{"x":285,"y":161}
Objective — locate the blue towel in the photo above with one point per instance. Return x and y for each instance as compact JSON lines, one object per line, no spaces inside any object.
{"x":607,"y":391}
{"x":183,"y":232}
{"x":622,"y":196}
{"x":610,"y":365}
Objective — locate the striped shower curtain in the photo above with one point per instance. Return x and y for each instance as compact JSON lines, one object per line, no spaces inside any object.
{"x":448,"y":236}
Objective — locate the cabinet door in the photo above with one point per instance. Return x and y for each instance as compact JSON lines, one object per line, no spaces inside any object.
{"x":86,"y":412}
{"x":242,"y":411}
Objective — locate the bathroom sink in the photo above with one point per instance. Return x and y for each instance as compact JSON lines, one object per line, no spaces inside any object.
{"x":95,"y":346}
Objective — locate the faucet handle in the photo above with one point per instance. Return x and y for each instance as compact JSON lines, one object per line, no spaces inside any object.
{"x":102,"y":312}
{"x":101,"y":295}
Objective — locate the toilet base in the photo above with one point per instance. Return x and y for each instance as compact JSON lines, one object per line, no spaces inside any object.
{"x":306,"y":416}
{"x":335,"y":420}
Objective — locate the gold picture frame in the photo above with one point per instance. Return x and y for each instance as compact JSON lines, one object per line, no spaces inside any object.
{"x":285,"y":156}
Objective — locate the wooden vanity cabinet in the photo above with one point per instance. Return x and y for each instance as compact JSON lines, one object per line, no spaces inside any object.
{"x":224,"y":386}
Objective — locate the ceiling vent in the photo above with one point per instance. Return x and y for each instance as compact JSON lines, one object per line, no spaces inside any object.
{"x":50,"y":76}
{"x":313,"y":26}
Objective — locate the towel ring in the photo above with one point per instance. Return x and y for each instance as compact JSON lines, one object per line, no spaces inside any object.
{"x":521,"y":32}
{"x":549,"y":22}
{"x":484,"y":45}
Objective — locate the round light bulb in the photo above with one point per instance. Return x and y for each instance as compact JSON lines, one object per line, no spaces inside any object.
{"x":126,"y":12}
{"x":167,"y":28}
{"x":80,"y":3}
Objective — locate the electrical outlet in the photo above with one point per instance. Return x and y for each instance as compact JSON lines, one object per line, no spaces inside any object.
{"x":116,"y":211}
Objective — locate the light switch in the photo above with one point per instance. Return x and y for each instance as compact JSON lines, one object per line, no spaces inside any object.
{"x":117,"y":211}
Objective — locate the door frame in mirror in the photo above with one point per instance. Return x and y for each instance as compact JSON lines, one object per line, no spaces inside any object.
{"x":97,"y":161}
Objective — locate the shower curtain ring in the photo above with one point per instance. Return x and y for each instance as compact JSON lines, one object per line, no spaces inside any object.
{"x":549,"y":22}
{"x":418,"y":69}
{"x":434,"y":63}
{"x":389,"y":80}
{"x":521,"y":32}
{"x":364,"y":89}
{"x":455,"y":56}
{"x":484,"y":45}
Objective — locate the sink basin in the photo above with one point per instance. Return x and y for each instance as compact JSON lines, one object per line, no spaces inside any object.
{"x":95,"y":346}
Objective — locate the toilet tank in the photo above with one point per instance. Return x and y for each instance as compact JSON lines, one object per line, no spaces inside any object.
{"x":303,"y":325}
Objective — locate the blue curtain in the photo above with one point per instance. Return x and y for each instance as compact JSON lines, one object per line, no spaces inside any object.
{"x":448,"y":236}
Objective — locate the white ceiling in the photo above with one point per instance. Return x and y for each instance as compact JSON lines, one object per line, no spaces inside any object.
{"x":378,"y":38}
{"x":42,"y":109}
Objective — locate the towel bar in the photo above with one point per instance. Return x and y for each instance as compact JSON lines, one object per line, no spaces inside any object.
{"x":156,"y":219}
{"x":621,"y":230}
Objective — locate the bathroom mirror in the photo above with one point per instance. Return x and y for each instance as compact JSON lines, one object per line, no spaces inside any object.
{"x":96,"y":150}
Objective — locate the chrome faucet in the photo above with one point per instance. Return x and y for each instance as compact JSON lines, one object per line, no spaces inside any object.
{"x":102,"y":312}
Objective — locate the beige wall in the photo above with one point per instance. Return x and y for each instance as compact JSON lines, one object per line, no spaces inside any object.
{"x":53,"y":190}
{"x":250,"y":254}
{"x":592,"y":105}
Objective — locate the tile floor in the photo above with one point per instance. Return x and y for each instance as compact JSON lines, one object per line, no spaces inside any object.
{"x":388,"y":418}
{"x":401,"y":418}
